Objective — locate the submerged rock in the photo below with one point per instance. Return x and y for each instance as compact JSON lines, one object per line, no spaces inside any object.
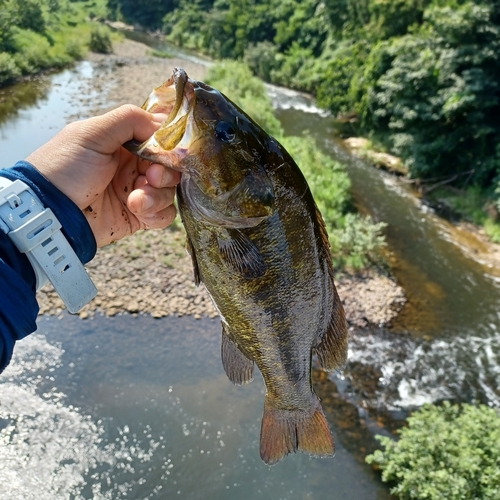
{"x":362,"y":148}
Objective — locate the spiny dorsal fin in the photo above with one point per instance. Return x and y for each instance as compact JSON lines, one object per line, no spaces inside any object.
{"x":323,"y":234}
{"x":241,"y":254}
{"x":238,"y":368}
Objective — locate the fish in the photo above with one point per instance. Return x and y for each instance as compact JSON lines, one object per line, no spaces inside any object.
{"x":259,"y":245}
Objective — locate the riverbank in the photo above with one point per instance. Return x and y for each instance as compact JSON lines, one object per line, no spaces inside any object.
{"x":472,"y":239}
{"x":150,"y":272}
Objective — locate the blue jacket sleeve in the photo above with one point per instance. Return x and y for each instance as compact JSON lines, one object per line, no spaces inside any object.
{"x":18,"y":306}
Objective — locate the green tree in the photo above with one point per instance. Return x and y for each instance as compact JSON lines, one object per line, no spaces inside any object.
{"x":440,"y":96}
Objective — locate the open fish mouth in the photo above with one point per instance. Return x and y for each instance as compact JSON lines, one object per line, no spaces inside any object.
{"x":169,"y":143}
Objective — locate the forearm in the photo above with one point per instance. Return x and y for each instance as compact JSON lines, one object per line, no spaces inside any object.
{"x":18,"y":306}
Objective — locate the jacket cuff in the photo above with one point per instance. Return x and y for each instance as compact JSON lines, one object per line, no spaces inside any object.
{"x":74,"y":224}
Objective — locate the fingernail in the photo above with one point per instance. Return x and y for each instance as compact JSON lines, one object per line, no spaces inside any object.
{"x":166,"y":177}
{"x":159,"y":117}
{"x":147,"y":202}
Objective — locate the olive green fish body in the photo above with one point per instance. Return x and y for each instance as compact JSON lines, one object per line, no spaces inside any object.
{"x":259,"y":245}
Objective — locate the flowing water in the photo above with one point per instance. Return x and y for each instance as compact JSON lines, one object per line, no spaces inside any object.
{"x":132,"y":407}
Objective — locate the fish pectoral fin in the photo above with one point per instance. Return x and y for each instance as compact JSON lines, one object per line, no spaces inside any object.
{"x":241,"y":254}
{"x":238,"y":368}
{"x":287,"y":431}
{"x":332,"y":346}
{"x":191,"y":252}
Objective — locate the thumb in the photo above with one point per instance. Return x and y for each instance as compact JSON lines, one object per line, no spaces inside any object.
{"x":106,"y":133}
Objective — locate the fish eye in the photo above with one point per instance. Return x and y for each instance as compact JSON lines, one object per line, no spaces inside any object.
{"x":225,"y":132}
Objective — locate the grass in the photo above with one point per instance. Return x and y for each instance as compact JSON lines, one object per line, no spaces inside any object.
{"x":64,"y":36}
{"x":160,"y":53}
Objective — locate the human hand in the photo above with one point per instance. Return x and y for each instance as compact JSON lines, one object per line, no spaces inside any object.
{"x":118,"y":192}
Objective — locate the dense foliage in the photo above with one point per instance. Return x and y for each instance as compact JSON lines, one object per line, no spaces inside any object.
{"x":422,"y":76}
{"x":40,"y":34}
{"x":355,"y":241}
{"x":447,"y":451}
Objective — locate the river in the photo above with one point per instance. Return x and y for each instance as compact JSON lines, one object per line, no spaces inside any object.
{"x":132,"y":407}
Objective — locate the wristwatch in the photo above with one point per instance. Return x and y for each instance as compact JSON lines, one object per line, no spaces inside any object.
{"x":36,"y":232}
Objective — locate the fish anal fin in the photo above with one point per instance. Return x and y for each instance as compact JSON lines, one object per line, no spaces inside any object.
{"x":191,"y":252}
{"x":238,"y":368}
{"x":241,"y":254}
{"x":332,"y":346}
{"x":286,"y":431}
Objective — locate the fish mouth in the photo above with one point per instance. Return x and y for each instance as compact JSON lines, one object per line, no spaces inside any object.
{"x":169,"y":143}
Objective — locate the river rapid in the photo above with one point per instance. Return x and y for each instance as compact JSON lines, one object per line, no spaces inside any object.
{"x":133,"y":407}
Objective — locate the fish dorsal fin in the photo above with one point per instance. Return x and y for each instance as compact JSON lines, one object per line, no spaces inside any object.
{"x":191,"y":252}
{"x":332,"y":344}
{"x":238,"y":368}
{"x":323,"y":233}
{"x":241,"y":254}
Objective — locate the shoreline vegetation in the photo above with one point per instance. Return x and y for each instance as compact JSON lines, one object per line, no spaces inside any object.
{"x":44,"y":35}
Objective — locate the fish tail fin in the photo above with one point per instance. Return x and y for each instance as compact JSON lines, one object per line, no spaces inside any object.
{"x":286,"y":431}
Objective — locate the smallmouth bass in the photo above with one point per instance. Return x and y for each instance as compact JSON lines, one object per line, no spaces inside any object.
{"x":259,"y":245}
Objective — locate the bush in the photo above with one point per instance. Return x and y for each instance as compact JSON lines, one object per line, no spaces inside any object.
{"x":74,"y":48}
{"x":340,"y":65}
{"x":100,"y":40}
{"x":293,"y":67}
{"x":356,"y":243}
{"x":8,"y":69}
{"x":261,"y":58}
{"x":32,"y":51}
{"x":447,"y":452}
{"x":326,"y":177}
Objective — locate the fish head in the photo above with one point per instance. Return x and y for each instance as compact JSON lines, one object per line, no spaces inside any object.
{"x":219,"y":150}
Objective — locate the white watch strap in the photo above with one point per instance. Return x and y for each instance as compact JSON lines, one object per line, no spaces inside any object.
{"x":36,"y":232}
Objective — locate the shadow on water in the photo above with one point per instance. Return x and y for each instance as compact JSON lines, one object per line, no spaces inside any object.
{"x":15,"y":98}
{"x":132,"y":407}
